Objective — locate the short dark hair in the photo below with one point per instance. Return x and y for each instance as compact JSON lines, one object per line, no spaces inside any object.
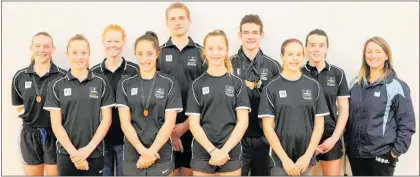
{"x":251,"y":18}
{"x":317,"y":32}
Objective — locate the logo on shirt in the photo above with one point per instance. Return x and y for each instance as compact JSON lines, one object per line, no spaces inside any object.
{"x":159,"y":92}
{"x":67,"y":92}
{"x":205,"y":90}
{"x":229,"y":90}
{"x":377,"y":94}
{"x":93,"y":92}
{"x":192,"y":61}
{"x":331,"y":81}
{"x":168,"y":57}
{"x":238,"y":71}
{"x":264,"y":73}
{"x":307,"y":94}
{"x":283,"y":93}
{"x":28,"y":84}
{"x":134,"y":91}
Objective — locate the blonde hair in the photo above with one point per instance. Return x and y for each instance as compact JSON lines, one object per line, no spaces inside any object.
{"x":364,"y":72}
{"x":227,"y":61}
{"x":41,"y":34}
{"x":78,"y":37}
{"x":178,"y":5}
{"x":114,"y":27}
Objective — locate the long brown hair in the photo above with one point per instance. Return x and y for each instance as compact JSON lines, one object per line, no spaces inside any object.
{"x":227,"y":61}
{"x":364,"y":72}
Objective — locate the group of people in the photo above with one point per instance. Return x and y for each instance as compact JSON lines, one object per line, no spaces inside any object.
{"x":187,"y":109}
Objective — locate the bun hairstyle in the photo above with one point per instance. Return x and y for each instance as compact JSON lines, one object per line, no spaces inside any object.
{"x":148,"y":36}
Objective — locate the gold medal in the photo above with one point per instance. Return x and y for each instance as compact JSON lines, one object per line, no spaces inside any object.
{"x":146,"y":112}
{"x":38,"y":99}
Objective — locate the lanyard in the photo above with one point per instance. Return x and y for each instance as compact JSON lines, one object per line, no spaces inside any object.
{"x":37,"y":90}
{"x":146,"y":107}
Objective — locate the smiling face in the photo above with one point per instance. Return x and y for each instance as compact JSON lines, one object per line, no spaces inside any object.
{"x":113,"y":42}
{"x":293,"y":57}
{"x":178,"y":21}
{"x":78,"y":53}
{"x":251,"y":36}
{"x":215,"y":50}
{"x":42,"y":48}
{"x":317,"y":48}
{"x":375,"y":56}
{"x":146,"y":55}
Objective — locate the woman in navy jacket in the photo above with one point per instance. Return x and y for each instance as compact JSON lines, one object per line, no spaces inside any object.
{"x":381,"y":120}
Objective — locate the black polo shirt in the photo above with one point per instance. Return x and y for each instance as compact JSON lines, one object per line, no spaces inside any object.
{"x":216,"y":99}
{"x":334,"y":84}
{"x":80,"y":104}
{"x":127,"y":69}
{"x":24,"y":94}
{"x":165,"y":96}
{"x":261,"y":68}
{"x":184,"y":65}
{"x":293,"y":105}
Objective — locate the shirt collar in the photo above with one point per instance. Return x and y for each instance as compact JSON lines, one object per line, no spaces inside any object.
{"x":309,"y":68}
{"x":71,"y":77}
{"x":169,"y":43}
{"x":242,"y":55}
{"x":53,"y":68}
{"x":122,"y":67}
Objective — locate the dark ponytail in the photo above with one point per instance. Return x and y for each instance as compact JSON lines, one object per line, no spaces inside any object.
{"x":148,"y":36}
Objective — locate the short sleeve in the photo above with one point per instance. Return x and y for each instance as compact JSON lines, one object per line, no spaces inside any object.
{"x":266,"y":107}
{"x":121,"y":94}
{"x":242,"y":99}
{"x":174,"y":100}
{"x":343,"y":89}
{"x":17,"y":99}
{"x":52,"y":101}
{"x":193,"y":105}
{"x":321,"y":104}
{"x":108,"y":97}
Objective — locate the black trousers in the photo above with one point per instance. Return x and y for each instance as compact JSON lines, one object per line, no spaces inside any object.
{"x":383,"y":165}
{"x":255,"y":156}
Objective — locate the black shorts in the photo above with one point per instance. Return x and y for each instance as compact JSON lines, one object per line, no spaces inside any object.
{"x":279,"y":171}
{"x":183,"y":159}
{"x":37,"y":146}
{"x":335,"y":153}
{"x":130,"y":154}
{"x":200,"y":159}
{"x":66,"y":166}
{"x":157,"y":169}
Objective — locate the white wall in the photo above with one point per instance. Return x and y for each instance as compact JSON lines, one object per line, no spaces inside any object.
{"x":348,"y":25}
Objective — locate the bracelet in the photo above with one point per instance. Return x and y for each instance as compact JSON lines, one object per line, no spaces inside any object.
{"x":212,"y":150}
